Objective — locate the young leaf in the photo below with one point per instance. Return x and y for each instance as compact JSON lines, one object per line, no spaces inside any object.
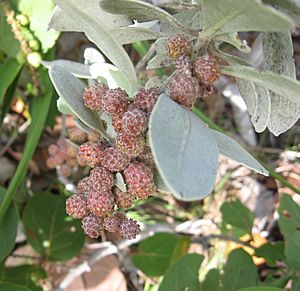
{"x":49,"y":230}
{"x":238,"y":215}
{"x":239,"y":271}
{"x":98,"y":33}
{"x":77,"y":69}
{"x":247,"y":15}
{"x":289,"y":223}
{"x":279,"y":84}
{"x":278,"y":58}
{"x":154,"y":254}
{"x":231,"y":149}
{"x":8,"y":229}
{"x":70,"y":89}
{"x":140,"y":11}
{"x":120,"y":183}
{"x":184,"y":150}
{"x":233,"y":39}
{"x":183,"y":275}
{"x":92,"y":55}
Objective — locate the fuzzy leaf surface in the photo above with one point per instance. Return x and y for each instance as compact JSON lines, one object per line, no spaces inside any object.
{"x":184,"y":150}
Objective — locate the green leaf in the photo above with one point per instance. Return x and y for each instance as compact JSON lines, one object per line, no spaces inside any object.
{"x":289,"y":223}
{"x":272,"y":252}
{"x":70,"y":89}
{"x":49,"y":230}
{"x":126,"y":35}
{"x":12,"y":287}
{"x":273,"y":281}
{"x":8,"y":43}
{"x":11,"y":68}
{"x":239,"y":271}
{"x":183,"y":275}
{"x":39,"y":13}
{"x":8,"y":229}
{"x":233,"y":39}
{"x":211,"y":281}
{"x":102,"y":37}
{"x":237,"y":214}
{"x":231,"y":149}
{"x":278,"y":58}
{"x":155,"y":254}
{"x":25,"y":275}
{"x":140,"y":11}
{"x":260,"y":289}
{"x":184,"y":150}
{"x":247,"y":15}
{"x":279,"y":84}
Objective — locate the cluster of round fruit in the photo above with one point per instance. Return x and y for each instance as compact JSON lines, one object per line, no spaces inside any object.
{"x":62,"y":156}
{"x":195,"y":76}
{"x":97,"y":198}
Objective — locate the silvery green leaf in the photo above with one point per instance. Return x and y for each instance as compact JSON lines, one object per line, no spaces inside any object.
{"x":153,"y":25}
{"x":109,"y":127}
{"x":231,"y":149}
{"x":98,"y":33}
{"x":126,"y":35}
{"x":140,"y":11}
{"x":246,"y":15}
{"x":258,"y":102}
{"x":233,"y":39}
{"x":82,"y":125}
{"x":155,"y":82}
{"x":71,"y":90}
{"x":120,"y":183}
{"x":279,"y":84}
{"x":288,"y":7}
{"x":77,"y":69}
{"x":184,"y":150}
{"x":91,"y":56}
{"x":160,"y":184}
{"x":113,"y":76}
{"x":61,"y":21}
{"x":161,"y":59}
{"x":63,"y":107}
{"x":278,"y":58}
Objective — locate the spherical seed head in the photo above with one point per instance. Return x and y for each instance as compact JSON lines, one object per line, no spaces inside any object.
{"x":92,"y":226}
{"x":92,"y":96}
{"x":112,"y":223}
{"x":207,"y":69}
{"x":139,"y":179}
{"x":76,"y":206}
{"x":114,"y":160}
{"x":123,"y":199}
{"x":62,"y":148}
{"x":184,"y":89}
{"x":130,"y":145}
{"x":146,"y":157}
{"x":117,"y":123}
{"x":54,"y":161}
{"x":90,"y":153}
{"x":72,"y":151}
{"x":184,"y":65}
{"x":77,"y":135}
{"x":101,"y":179}
{"x":103,"y":143}
{"x":84,"y":186}
{"x":179,"y":45}
{"x":146,"y":99}
{"x":100,"y":203}
{"x":129,"y":228}
{"x":53,"y":149}
{"x":114,"y":102}
{"x":134,"y":122}
{"x":65,"y":170}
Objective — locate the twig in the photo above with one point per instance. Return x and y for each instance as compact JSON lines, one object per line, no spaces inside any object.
{"x":142,"y":62}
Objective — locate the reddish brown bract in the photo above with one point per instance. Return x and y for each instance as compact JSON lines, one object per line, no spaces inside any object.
{"x":92,"y":226}
{"x":100,"y":203}
{"x":76,"y":206}
{"x":179,"y":45}
{"x":112,"y":223}
{"x":129,"y":228}
{"x":92,"y":96}
{"x":114,"y":102}
{"x":130,"y":145}
{"x":123,"y":199}
{"x":114,"y":160}
{"x":146,"y":99}
{"x":101,"y":179}
{"x":134,"y":122}
{"x":90,"y":153}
